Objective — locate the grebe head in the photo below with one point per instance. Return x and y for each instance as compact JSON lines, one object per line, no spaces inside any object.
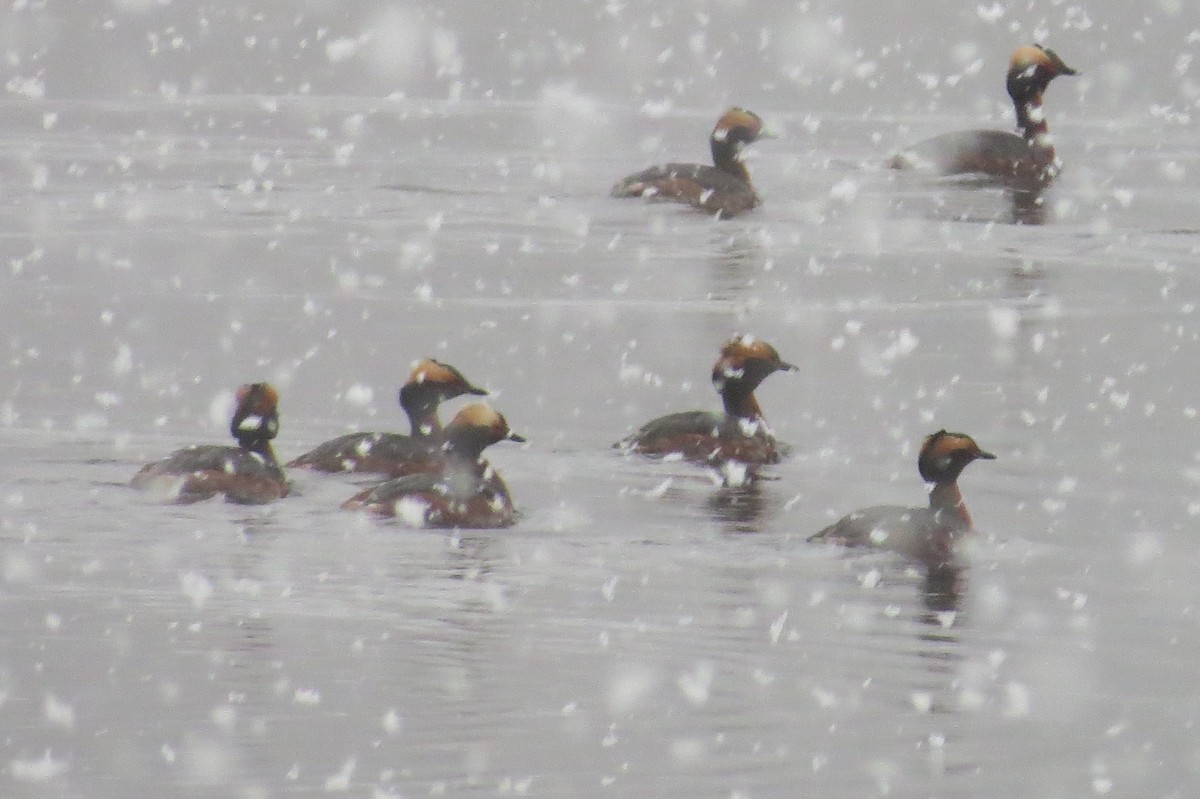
{"x":1031,"y":69}
{"x":256,"y":418}
{"x":738,"y":127}
{"x":944,"y":456}
{"x":439,"y":380}
{"x":476,"y":427}
{"x":746,"y":359}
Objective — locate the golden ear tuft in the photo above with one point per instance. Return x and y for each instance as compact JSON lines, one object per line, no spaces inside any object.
{"x":263,"y":396}
{"x":740,"y":118}
{"x":747,"y":346}
{"x":477,"y":414}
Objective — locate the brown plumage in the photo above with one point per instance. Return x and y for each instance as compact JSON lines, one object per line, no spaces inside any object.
{"x":429,"y":384}
{"x":923,"y":534}
{"x":737,"y":433}
{"x":247,"y":473}
{"x":465,"y":491}
{"x":723,"y":189}
{"x":1025,"y":158}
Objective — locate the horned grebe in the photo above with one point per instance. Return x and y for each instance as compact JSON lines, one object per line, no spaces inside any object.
{"x":723,"y":189}
{"x":466,"y":492}
{"x":247,"y":473}
{"x":429,"y":384}
{"x":738,"y":433}
{"x":1025,"y":158}
{"x":924,"y":534}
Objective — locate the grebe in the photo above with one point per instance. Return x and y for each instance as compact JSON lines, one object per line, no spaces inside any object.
{"x":1025,"y":158}
{"x":738,"y":433}
{"x":466,"y":492}
{"x":429,"y":384}
{"x":923,"y":534}
{"x":723,"y":189}
{"x":247,"y":473}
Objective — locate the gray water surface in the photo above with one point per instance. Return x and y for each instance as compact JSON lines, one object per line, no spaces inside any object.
{"x":181,"y":221}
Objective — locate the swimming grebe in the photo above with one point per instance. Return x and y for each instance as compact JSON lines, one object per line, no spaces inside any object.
{"x":1025,"y":158}
{"x":924,"y":534}
{"x":723,"y":189}
{"x":247,"y":473}
{"x":739,"y":433}
{"x":429,"y":384}
{"x":467,"y":492}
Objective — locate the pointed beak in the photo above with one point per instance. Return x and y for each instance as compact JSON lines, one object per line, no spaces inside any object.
{"x":1066,"y":70}
{"x":520,"y":439}
{"x":984,"y":455}
{"x":476,"y":390}
{"x":784,"y":366}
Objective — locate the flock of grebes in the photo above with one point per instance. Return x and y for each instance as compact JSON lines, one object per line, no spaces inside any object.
{"x":436,"y":476}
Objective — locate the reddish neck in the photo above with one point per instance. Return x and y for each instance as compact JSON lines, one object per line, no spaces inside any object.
{"x":1031,"y":124}
{"x":947,"y":500}
{"x":740,"y":402}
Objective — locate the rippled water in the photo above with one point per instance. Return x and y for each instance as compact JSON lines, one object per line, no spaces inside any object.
{"x":640,"y":631}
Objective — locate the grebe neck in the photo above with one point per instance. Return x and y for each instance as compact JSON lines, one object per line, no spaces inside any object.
{"x":740,"y":402}
{"x":726,"y":155}
{"x":1031,"y":124}
{"x":424,"y":421}
{"x":421,"y":405}
{"x":947,"y":501}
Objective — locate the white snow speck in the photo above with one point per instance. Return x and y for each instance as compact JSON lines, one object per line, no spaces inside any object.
{"x":696,"y":684}
{"x":306,"y":696}
{"x":658,"y":491}
{"x":777,"y":628}
{"x":991,"y":13}
{"x":221,"y":408}
{"x":340,"y":782}
{"x":844,"y":190}
{"x":196,"y":587}
{"x":43,"y":769}
{"x":59,"y":713}
{"x":359,"y":395}
{"x":32,"y":88}
{"x":1145,"y":547}
{"x":342,"y":153}
{"x":905,"y":342}
{"x":689,"y":750}
{"x":1016,"y":701}
{"x":225,"y":717}
{"x":342,"y":49}
{"x":412,"y":511}
{"x":1004,"y":321}
{"x":630,"y":688}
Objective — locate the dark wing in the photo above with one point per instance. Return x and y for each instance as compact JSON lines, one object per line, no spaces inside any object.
{"x":704,"y":437}
{"x":996,"y":153}
{"x":706,"y":187}
{"x":460,"y":498}
{"x":383,"y":453}
{"x":196,"y":473}
{"x":657,"y":435}
{"x":190,"y":459}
